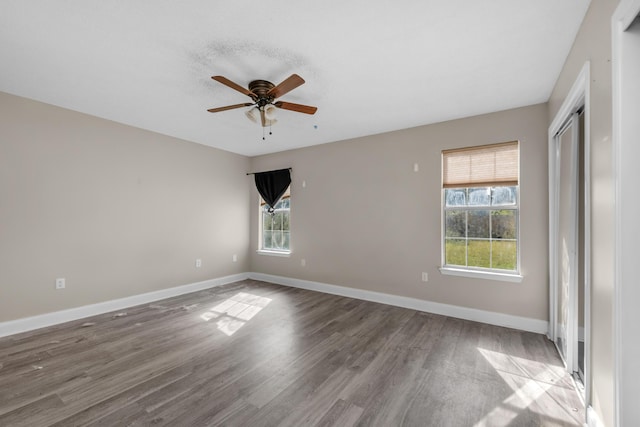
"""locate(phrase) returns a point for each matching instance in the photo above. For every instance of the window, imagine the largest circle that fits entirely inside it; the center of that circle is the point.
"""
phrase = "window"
(481, 208)
(274, 228)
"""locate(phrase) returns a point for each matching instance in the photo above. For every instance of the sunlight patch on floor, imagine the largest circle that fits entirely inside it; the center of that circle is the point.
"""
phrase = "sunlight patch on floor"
(534, 385)
(233, 313)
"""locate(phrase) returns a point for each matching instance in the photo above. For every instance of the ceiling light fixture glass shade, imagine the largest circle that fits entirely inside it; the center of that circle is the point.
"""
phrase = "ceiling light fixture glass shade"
(252, 114)
(270, 113)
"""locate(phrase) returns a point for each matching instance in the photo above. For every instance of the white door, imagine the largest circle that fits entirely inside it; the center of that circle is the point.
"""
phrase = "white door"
(566, 243)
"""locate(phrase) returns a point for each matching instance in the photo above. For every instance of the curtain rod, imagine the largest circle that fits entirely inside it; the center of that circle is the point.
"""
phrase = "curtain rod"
(253, 173)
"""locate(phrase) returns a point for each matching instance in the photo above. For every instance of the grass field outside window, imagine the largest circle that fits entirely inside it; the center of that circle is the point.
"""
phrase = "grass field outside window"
(481, 228)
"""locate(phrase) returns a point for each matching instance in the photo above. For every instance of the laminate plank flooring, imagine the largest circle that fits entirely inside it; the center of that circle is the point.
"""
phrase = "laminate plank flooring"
(257, 354)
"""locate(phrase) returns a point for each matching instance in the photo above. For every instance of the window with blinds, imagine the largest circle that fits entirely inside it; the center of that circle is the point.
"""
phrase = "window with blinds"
(480, 188)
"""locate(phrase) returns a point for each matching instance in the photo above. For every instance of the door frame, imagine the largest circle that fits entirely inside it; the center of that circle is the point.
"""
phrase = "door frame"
(626, 295)
(578, 98)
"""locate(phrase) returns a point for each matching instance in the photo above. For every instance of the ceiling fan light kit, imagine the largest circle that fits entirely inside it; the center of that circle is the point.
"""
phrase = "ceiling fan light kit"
(264, 94)
(270, 112)
(252, 114)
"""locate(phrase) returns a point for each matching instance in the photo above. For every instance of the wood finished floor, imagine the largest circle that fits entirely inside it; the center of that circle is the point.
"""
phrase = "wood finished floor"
(257, 354)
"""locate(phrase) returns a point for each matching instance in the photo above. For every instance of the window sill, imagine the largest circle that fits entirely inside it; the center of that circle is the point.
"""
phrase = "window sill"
(489, 275)
(274, 253)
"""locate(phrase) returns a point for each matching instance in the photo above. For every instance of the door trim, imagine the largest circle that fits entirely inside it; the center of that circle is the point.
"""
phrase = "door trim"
(625, 317)
(578, 97)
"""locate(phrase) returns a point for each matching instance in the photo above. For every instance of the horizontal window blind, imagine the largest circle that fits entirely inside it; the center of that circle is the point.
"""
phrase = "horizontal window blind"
(482, 166)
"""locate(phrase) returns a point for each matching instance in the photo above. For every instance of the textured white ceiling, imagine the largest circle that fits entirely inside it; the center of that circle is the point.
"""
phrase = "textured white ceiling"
(371, 66)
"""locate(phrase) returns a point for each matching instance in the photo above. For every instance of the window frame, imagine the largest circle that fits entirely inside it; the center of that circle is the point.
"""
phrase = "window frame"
(473, 271)
(273, 251)
(476, 270)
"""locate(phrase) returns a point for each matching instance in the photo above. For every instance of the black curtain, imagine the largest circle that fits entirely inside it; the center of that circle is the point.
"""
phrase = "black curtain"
(272, 185)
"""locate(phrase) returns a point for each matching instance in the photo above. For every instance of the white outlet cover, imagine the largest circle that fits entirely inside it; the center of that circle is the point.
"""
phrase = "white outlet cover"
(60, 283)
(198, 263)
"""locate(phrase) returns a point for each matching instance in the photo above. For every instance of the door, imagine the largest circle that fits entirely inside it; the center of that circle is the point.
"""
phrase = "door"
(570, 231)
(567, 242)
(582, 261)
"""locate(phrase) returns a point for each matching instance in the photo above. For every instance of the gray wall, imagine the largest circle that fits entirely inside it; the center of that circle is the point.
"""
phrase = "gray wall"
(366, 220)
(115, 210)
(593, 43)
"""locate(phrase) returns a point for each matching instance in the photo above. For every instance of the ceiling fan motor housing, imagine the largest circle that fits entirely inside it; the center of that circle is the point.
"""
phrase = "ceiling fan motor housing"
(261, 88)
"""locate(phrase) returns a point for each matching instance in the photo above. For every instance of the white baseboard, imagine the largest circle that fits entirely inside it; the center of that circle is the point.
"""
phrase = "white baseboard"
(40, 321)
(593, 420)
(499, 319)
(492, 318)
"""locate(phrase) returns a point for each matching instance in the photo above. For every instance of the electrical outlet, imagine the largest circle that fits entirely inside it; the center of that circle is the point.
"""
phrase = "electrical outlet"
(425, 277)
(198, 263)
(234, 258)
(303, 262)
(60, 283)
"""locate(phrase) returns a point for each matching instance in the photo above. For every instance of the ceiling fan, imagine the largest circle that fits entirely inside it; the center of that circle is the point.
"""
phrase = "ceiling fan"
(264, 95)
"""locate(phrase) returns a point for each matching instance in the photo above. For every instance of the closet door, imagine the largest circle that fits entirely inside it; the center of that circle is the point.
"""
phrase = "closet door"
(566, 298)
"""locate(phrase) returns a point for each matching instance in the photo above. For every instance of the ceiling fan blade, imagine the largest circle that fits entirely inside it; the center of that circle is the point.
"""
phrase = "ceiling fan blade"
(225, 81)
(307, 109)
(229, 107)
(290, 83)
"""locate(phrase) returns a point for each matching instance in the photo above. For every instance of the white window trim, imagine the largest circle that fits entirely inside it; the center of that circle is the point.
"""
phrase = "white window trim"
(272, 252)
(481, 274)
(489, 273)
(285, 254)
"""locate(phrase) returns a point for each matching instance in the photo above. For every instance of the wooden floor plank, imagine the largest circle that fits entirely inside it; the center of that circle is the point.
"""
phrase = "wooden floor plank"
(255, 353)
(341, 413)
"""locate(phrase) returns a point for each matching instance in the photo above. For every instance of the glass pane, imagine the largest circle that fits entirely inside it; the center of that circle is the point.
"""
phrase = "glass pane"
(286, 235)
(503, 196)
(503, 224)
(478, 224)
(277, 240)
(277, 221)
(267, 222)
(455, 252)
(455, 223)
(504, 254)
(479, 253)
(480, 196)
(285, 220)
(455, 197)
(266, 239)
